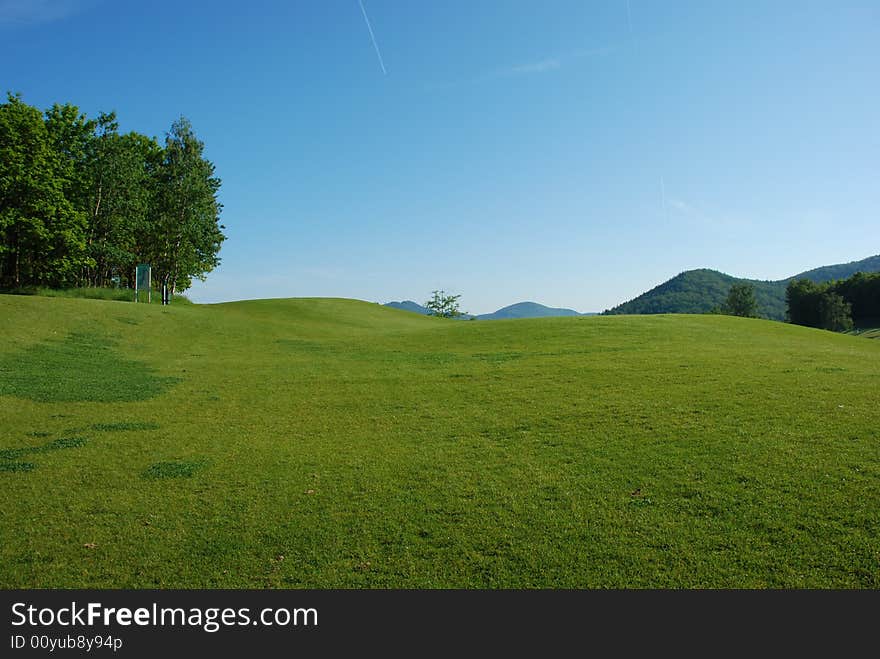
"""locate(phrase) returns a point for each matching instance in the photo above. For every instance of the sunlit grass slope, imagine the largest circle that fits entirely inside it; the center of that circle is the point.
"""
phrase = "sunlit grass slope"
(334, 443)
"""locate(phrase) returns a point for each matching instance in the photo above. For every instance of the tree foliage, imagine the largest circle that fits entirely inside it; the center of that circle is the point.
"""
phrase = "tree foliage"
(82, 204)
(443, 305)
(704, 291)
(835, 313)
(41, 233)
(741, 301)
(187, 209)
(836, 305)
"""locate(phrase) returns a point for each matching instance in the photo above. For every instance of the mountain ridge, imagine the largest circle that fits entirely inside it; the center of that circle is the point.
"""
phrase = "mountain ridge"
(526, 309)
(702, 289)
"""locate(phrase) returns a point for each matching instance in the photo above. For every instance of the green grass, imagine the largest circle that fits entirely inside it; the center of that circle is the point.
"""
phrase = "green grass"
(174, 469)
(375, 448)
(44, 371)
(867, 333)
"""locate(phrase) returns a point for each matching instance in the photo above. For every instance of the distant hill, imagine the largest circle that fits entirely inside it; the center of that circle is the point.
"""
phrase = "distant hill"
(408, 305)
(526, 310)
(840, 271)
(518, 310)
(699, 291)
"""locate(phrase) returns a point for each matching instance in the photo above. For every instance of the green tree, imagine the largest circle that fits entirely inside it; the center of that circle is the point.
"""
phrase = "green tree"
(835, 313)
(72, 137)
(443, 305)
(741, 301)
(81, 204)
(802, 300)
(42, 236)
(186, 235)
(122, 175)
(862, 291)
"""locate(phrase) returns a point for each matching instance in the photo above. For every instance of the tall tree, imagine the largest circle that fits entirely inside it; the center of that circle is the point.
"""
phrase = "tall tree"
(741, 301)
(121, 187)
(835, 313)
(72, 137)
(186, 234)
(802, 298)
(42, 236)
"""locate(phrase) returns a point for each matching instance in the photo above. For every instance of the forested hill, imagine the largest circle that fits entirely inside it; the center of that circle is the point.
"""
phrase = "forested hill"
(840, 271)
(700, 291)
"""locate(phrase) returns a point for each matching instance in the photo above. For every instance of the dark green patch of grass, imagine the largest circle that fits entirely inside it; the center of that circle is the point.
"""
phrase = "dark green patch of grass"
(16, 466)
(55, 445)
(80, 367)
(123, 426)
(13, 453)
(64, 442)
(174, 469)
(8, 457)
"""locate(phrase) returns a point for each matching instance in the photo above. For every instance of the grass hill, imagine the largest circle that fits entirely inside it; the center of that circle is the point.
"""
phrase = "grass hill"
(699, 291)
(408, 305)
(527, 310)
(326, 443)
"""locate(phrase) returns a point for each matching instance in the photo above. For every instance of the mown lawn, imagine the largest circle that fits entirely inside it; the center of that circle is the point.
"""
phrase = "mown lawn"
(331, 443)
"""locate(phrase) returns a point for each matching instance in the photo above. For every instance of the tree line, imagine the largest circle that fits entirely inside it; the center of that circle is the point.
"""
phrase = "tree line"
(81, 204)
(836, 305)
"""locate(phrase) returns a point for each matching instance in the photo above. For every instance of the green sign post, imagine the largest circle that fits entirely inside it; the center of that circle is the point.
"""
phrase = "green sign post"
(142, 281)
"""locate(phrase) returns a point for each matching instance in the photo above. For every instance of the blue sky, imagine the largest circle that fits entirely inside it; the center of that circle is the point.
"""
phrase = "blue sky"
(572, 153)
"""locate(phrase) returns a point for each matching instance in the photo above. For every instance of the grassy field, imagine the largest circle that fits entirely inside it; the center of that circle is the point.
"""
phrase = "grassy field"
(332, 443)
(867, 333)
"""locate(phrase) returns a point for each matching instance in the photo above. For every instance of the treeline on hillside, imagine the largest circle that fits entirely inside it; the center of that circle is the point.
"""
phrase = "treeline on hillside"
(836, 305)
(81, 204)
(703, 291)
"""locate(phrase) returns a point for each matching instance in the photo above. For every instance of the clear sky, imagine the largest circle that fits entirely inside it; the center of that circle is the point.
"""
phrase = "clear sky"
(568, 152)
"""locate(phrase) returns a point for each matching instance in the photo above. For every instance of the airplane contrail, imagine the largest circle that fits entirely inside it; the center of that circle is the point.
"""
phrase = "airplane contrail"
(373, 37)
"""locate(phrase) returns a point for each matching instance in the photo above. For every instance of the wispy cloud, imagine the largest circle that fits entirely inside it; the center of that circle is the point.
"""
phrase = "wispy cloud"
(537, 67)
(550, 64)
(29, 12)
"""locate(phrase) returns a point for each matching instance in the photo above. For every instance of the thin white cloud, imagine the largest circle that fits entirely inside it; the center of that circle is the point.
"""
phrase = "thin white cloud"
(29, 12)
(537, 67)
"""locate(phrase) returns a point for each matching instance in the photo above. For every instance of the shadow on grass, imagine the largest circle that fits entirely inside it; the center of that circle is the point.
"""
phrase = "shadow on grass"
(9, 456)
(124, 426)
(82, 367)
(174, 469)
